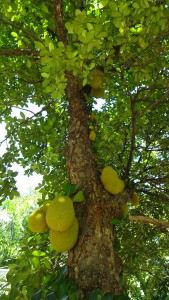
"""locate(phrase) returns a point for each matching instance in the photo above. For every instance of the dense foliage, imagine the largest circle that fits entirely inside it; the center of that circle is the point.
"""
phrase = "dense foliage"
(128, 41)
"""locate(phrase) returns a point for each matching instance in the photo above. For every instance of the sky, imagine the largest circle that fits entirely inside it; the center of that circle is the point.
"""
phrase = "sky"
(24, 183)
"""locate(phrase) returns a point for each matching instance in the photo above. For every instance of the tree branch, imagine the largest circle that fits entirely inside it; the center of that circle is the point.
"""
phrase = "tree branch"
(18, 52)
(59, 21)
(132, 142)
(27, 32)
(156, 222)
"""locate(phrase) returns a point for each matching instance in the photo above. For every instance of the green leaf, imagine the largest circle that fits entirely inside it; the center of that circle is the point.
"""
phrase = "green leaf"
(38, 253)
(22, 115)
(45, 75)
(79, 197)
(103, 3)
(69, 188)
(15, 193)
(78, 12)
(70, 27)
(116, 221)
(136, 5)
(36, 262)
(14, 34)
(142, 43)
(51, 46)
(29, 63)
(39, 45)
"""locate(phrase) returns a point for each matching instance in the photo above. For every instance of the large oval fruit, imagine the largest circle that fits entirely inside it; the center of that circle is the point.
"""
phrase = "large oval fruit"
(37, 221)
(65, 240)
(60, 213)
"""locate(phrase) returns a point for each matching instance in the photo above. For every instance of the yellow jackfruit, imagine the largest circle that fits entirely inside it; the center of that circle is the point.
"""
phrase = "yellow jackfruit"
(65, 240)
(97, 79)
(114, 186)
(108, 173)
(60, 213)
(135, 199)
(94, 118)
(92, 135)
(111, 182)
(37, 221)
(44, 207)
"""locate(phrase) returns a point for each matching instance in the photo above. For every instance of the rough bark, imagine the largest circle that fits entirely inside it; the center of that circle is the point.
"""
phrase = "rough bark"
(93, 262)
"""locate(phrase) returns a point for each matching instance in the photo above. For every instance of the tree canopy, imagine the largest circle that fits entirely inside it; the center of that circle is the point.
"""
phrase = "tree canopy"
(48, 50)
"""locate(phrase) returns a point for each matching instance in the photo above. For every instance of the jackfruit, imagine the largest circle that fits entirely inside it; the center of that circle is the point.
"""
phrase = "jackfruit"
(108, 173)
(60, 213)
(65, 240)
(37, 221)
(97, 79)
(135, 199)
(110, 180)
(125, 208)
(92, 135)
(94, 118)
(44, 207)
(97, 93)
(114, 186)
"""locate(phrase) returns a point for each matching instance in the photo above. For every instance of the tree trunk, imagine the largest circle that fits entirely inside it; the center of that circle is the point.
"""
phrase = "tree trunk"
(93, 262)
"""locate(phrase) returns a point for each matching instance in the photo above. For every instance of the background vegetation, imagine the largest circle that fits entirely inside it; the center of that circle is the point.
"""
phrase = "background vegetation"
(47, 52)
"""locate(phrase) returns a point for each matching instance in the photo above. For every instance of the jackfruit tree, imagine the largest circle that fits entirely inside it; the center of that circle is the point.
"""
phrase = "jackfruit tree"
(51, 53)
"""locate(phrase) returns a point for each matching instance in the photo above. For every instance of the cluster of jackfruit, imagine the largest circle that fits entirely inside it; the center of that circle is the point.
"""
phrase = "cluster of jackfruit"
(92, 134)
(134, 201)
(111, 182)
(59, 216)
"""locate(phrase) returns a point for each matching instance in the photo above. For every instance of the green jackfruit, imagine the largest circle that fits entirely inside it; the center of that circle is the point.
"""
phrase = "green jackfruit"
(65, 240)
(111, 182)
(37, 221)
(97, 79)
(60, 213)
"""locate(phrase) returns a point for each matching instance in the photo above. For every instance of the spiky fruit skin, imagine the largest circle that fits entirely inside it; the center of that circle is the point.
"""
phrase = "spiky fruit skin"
(97, 79)
(135, 199)
(110, 181)
(60, 213)
(92, 135)
(37, 221)
(65, 240)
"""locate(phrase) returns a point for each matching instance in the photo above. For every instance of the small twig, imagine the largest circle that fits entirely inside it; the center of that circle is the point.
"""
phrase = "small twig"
(18, 52)
(27, 120)
(27, 32)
